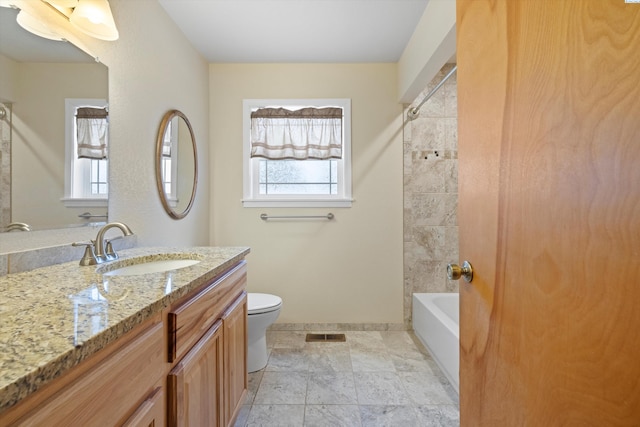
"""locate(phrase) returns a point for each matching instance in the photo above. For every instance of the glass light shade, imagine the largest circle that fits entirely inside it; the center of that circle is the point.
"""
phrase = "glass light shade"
(64, 4)
(35, 26)
(93, 17)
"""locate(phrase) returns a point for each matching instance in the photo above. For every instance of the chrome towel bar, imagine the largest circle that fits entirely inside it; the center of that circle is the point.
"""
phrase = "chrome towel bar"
(88, 215)
(328, 216)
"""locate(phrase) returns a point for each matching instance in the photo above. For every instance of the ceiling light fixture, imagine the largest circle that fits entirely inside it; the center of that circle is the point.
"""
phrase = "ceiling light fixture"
(65, 4)
(93, 17)
(35, 26)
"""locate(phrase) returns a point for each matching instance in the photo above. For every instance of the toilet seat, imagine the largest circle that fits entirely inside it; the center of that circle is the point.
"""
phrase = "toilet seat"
(262, 303)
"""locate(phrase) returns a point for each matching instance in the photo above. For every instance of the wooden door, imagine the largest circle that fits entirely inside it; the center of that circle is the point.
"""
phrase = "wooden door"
(549, 212)
(195, 384)
(234, 322)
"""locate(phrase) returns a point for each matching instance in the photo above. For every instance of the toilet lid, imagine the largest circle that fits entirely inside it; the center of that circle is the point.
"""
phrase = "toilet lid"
(262, 303)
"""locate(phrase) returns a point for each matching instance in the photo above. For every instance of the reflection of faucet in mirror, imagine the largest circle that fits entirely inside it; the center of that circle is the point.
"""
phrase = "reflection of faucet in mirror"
(18, 226)
(99, 252)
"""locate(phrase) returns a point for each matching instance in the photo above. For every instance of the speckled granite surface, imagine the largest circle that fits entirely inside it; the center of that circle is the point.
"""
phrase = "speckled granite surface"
(52, 318)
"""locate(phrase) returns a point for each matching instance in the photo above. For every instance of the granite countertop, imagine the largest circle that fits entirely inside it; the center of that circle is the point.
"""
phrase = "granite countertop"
(53, 318)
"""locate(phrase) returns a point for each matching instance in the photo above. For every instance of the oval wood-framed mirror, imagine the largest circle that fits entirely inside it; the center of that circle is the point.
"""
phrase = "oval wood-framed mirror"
(176, 164)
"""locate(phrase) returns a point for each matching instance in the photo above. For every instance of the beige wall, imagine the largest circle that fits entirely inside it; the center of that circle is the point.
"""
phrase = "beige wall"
(9, 73)
(152, 69)
(432, 44)
(345, 271)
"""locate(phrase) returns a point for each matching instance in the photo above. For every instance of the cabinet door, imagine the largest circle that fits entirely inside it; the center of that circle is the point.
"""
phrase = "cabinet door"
(195, 384)
(151, 413)
(108, 392)
(191, 318)
(234, 323)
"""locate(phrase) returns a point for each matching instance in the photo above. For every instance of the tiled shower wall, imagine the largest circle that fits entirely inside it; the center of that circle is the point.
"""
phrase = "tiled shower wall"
(5, 166)
(431, 192)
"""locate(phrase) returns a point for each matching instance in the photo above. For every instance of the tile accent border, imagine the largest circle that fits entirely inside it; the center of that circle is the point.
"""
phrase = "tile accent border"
(338, 327)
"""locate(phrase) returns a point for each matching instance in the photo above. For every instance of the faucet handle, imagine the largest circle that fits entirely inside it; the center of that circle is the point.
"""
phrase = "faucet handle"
(89, 257)
(109, 253)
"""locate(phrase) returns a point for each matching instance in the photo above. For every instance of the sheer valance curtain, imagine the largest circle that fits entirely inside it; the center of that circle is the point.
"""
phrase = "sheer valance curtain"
(92, 125)
(307, 133)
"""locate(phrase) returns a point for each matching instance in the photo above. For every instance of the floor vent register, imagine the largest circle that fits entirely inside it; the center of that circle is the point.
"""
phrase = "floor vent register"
(325, 338)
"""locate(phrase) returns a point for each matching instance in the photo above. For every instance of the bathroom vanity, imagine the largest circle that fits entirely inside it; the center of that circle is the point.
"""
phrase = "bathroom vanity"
(159, 348)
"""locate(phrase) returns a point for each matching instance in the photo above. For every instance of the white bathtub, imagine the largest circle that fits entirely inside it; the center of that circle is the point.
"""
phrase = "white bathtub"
(436, 322)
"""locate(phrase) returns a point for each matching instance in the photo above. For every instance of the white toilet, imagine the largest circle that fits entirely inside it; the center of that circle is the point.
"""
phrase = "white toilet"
(263, 310)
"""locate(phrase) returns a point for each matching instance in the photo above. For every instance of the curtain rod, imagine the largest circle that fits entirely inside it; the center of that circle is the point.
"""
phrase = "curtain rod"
(413, 112)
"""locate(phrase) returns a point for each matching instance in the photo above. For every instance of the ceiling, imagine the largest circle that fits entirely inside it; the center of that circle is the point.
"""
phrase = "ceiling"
(258, 31)
(310, 31)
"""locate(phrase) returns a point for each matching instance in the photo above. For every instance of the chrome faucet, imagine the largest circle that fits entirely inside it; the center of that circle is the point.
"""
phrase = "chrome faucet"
(99, 251)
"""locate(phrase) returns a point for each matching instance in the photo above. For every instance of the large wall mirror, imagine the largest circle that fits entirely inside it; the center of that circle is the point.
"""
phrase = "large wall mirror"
(37, 79)
(176, 164)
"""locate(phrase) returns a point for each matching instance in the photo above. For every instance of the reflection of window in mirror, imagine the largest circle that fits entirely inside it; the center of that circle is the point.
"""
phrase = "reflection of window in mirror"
(170, 162)
(86, 147)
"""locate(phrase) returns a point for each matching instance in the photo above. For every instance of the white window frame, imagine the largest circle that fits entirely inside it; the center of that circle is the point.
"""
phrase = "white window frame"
(251, 194)
(172, 197)
(70, 176)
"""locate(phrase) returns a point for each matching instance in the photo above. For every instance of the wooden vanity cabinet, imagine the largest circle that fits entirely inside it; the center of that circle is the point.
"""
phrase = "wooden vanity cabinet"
(186, 366)
(195, 384)
(207, 349)
(151, 413)
(108, 389)
(234, 323)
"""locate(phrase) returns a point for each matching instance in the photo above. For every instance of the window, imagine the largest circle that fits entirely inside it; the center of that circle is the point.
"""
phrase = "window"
(169, 162)
(297, 153)
(86, 168)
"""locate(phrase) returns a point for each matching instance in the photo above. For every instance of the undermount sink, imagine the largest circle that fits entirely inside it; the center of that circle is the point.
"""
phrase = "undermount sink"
(150, 266)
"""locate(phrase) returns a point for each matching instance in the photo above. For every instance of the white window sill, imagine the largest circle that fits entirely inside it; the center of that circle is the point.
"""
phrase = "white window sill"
(172, 202)
(71, 202)
(297, 203)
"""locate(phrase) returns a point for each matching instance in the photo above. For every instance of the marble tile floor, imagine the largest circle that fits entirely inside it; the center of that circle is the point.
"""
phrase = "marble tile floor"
(373, 379)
